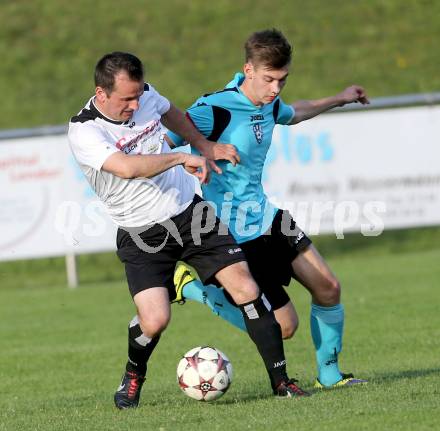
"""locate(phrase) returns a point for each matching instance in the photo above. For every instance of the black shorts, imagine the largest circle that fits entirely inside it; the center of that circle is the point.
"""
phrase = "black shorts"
(202, 241)
(270, 257)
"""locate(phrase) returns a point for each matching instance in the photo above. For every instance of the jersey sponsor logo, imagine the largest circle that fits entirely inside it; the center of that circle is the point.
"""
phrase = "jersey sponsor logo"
(258, 132)
(129, 148)
(257, 117)
(128, 145)
(234, 250)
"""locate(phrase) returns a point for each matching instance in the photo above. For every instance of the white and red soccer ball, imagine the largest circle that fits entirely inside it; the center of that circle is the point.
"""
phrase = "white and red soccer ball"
(204, 373)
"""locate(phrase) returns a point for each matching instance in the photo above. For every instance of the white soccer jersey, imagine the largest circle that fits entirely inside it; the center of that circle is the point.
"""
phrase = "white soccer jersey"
(130, 202)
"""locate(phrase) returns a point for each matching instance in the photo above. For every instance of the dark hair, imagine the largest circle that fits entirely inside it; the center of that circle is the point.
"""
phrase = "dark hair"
(268, 48)
(111, 64)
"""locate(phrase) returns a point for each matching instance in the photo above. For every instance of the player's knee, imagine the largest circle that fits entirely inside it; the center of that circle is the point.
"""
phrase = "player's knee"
(331, 292)
(289, 328)
(153, 326)
(246, 291)
(243, 287)
(335, 290)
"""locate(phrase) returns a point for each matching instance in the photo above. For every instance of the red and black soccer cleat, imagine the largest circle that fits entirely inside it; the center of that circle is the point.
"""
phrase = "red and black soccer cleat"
(129, 391)
(289, 389)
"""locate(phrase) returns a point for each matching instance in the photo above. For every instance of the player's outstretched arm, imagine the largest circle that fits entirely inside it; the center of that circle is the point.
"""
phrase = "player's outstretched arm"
(306, 109)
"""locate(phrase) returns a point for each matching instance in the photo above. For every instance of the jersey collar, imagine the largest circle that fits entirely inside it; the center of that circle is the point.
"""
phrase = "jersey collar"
(236, 81)
(98, 113)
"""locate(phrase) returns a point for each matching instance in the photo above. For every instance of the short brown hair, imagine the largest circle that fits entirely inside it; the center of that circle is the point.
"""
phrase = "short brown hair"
(269, 48)
(111, 64)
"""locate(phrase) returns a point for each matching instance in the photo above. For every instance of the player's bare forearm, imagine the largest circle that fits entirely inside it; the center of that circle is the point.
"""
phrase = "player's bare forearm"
(177, 122)
(306, 109)
(150, 165)
(137, 166)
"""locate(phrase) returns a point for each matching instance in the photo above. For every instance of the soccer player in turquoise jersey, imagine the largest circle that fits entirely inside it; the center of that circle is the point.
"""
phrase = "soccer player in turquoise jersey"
(245, 114)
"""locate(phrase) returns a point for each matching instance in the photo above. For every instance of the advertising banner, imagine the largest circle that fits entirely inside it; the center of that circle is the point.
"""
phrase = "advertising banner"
(362, 171)
(47, 207)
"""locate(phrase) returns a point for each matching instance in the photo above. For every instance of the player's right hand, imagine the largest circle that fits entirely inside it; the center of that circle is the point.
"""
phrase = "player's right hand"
(225, 152)
(197, 166)
(219, 151)
(354, 94)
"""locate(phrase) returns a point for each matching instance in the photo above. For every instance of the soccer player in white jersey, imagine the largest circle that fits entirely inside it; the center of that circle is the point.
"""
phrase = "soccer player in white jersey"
(246, 112)
(118, 141)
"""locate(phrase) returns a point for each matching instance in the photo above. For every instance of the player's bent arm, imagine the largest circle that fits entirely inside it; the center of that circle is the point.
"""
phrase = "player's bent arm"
(169, 141)
(136, 166)
(212, 151)
(306, 109)
(178, 123)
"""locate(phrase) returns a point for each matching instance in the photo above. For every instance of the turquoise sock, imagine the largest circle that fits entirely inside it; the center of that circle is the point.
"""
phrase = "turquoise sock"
(215, 299)
(327, 325)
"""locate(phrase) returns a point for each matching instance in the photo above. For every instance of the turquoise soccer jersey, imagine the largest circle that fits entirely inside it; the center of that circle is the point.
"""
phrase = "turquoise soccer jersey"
(237, 194)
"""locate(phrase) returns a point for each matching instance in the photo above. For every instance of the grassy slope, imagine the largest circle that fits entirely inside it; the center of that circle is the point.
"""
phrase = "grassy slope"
(55, 341)
(49, 48)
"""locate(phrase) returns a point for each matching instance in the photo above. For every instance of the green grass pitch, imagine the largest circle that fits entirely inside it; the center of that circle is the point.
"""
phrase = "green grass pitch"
(63, 353)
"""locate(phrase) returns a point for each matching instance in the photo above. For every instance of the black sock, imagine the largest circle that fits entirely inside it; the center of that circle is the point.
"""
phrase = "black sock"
(265, 332)
(140, 348)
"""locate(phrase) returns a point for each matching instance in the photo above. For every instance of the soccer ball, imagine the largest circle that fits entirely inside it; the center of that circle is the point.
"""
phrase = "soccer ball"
(204, 373)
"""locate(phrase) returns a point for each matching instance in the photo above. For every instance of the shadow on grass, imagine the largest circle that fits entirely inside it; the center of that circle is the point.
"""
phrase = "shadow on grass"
(243, 399)
(407, 374)
(380, 378)
(265, 394)
(246, 398)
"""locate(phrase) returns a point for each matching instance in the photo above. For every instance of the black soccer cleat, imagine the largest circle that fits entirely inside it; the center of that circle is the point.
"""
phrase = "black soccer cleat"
(129, 391)
(289, 389)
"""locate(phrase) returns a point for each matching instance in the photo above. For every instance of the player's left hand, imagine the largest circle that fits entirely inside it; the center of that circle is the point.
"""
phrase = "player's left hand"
(354, 94)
